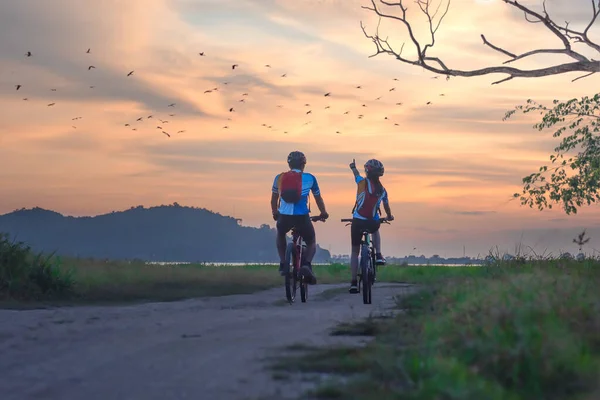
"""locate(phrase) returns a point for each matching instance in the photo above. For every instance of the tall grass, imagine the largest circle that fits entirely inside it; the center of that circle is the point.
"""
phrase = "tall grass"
(527, 331)
(27, 275)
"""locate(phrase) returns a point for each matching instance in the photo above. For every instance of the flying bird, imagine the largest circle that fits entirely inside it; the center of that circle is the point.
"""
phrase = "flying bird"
(428, 102)
(398, 104)
(139, 119)
(18, 87)
(435, 77)
(231, 109)
(28, 54)
(364, 105)
(90, 67)
(307, 105)
(54, 90)
(127, 125)
(91, 87)
(225, 127)
(442, 94)
(201, 53)
(395, 79)
(88, 51)
(130, 73)
(309, 111)
(172, 105)
(149, 116)
(346, 112)
(208, 91)
(180, 131)
(378, 98)
(284, 75)
(358, 87)
(25, 99)
(392, 89)
(327, 94)
(134, 129)
(171, 115)
(51, 104)
(166, 133)
(327, 107)
(245, 94)
(242, 101)
(233, 66)
(338, 132)
(159, 127)
(268, 66)
(279, 106)
(73, 126)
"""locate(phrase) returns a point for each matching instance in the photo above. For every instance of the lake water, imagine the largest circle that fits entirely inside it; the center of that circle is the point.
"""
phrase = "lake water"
(235, 264)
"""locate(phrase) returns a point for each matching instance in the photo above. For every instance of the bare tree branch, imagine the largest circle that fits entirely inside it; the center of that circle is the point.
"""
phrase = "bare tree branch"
(434, 64)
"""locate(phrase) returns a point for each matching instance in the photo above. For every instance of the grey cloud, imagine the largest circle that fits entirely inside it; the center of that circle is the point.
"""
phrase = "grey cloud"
(454, 167)
(455, 183)
(208, 156)
(76, 140)
(472, 213)
(58, 33)
(577, 12)
(480, 120)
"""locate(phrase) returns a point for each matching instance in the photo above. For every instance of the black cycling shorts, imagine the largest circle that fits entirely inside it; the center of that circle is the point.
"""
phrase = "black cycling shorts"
(302, 223)
(361, 225)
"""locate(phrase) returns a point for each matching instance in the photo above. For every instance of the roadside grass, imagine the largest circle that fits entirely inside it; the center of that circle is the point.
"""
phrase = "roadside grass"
(28, 279)
(527, 331)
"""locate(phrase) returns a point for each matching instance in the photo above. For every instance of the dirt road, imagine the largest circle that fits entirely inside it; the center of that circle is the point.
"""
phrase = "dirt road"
(195, 349)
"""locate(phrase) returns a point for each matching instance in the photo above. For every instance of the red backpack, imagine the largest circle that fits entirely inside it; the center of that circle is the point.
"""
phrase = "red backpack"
(290, 186)
(368, 208)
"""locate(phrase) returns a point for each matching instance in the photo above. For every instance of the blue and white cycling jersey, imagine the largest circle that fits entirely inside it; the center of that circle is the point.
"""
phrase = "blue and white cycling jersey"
(360, 199)
(309, 184)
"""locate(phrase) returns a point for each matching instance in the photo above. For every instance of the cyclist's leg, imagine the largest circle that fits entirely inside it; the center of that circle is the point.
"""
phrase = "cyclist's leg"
(355, 237)
(305, 227)
(284, 224)
(376, 237)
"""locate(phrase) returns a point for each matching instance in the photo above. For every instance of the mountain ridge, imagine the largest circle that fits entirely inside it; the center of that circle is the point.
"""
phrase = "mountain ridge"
(157, 233)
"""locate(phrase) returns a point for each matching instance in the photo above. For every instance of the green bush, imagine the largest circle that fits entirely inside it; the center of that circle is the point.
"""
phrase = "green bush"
(27, 275)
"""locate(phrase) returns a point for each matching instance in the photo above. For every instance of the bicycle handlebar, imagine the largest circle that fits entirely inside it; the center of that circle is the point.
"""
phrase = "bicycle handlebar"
(382, 220)
(317, 218)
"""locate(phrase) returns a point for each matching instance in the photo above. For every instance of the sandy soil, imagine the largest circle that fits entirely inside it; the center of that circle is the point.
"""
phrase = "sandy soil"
(212, 348)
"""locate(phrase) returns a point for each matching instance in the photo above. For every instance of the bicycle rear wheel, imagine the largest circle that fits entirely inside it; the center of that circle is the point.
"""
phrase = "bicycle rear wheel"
(365, 271)
(303, 285)
(291, 280)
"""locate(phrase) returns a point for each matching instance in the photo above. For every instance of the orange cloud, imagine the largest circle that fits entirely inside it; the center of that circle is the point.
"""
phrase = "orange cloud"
(451, 165)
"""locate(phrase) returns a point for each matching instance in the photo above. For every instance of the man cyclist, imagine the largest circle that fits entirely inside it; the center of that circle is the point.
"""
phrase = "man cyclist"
(289, 204)
(369, 196)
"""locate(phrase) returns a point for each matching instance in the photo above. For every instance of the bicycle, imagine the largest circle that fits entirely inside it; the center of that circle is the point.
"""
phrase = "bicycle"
(367, 272)
(294, 259)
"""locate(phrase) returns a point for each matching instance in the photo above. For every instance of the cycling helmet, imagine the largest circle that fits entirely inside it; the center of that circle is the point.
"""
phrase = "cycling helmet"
(374, 167)
(296, 158)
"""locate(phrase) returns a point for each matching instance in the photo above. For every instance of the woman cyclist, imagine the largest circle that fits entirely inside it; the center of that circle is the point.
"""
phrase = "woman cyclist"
(370, 194)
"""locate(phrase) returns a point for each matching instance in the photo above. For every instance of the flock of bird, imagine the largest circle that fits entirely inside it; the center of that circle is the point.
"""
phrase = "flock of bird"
(162, 122)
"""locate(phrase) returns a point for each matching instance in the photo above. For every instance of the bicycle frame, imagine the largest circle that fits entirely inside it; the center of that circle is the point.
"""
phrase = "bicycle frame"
(296, 257)
(367, 252)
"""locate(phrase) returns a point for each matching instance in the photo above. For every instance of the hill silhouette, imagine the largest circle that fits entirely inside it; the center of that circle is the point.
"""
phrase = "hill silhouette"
(162, 233)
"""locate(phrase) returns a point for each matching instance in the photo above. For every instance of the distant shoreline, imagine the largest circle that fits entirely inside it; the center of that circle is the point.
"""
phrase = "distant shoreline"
(242, 264)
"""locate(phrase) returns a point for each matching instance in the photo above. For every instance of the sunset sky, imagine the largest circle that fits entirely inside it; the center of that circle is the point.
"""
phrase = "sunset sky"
(451, 166)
